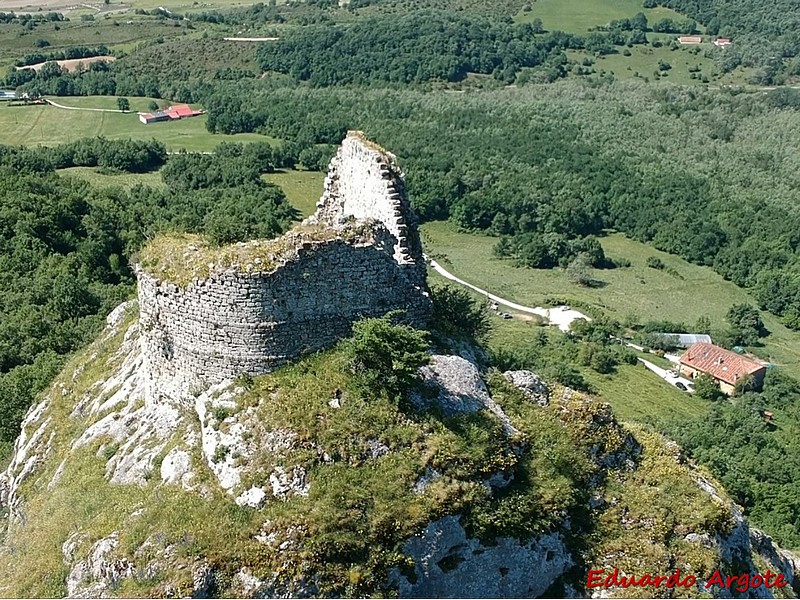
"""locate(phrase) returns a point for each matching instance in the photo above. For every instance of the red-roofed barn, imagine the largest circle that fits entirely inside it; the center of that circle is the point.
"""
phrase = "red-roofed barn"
(726, 367)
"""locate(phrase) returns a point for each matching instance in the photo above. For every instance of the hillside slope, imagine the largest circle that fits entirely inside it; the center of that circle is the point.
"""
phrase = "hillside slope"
(302, 483)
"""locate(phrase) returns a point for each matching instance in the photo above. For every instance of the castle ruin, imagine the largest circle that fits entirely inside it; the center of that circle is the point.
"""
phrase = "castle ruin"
(260, 304)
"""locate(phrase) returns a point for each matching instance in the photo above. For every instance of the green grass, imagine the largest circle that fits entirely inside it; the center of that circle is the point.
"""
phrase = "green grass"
(302, 188)
(16, 41)
(48, 126)
(638, 293)
(123, 180)
(637, 394)
(577, 16)
(643, 62)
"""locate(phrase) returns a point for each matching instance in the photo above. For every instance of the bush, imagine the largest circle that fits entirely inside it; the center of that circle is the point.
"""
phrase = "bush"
(385, 356)
(655, 263)
(456, 314)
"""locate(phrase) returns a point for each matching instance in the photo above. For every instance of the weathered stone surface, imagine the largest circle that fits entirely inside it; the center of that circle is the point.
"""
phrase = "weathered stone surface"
(459, 389)
(531, 385)
(242, 321)
(448, 564)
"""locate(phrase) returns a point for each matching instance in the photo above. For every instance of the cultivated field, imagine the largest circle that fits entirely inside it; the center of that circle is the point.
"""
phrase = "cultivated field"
(637, 292)
(48, 126)
(74, 64)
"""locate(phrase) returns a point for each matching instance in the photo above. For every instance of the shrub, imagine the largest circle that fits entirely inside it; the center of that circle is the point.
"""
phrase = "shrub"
(655, 263)
(385, 356)
(456, 314)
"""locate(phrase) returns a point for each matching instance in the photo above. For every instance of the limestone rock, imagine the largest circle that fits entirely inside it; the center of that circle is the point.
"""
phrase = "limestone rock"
(448, 564)
(459, 388)
(531, 385)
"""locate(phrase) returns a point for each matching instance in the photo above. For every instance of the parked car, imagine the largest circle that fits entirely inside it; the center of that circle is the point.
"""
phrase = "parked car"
(506, 315)
(681, 386)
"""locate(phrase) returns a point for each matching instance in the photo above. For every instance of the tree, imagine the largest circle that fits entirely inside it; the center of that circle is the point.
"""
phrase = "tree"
(703, 325)
(456, 313)
(153, 106)
(579, 270)
(639, 21)
(123, 104)
(385, 356)
(746, 324)
(706, 388)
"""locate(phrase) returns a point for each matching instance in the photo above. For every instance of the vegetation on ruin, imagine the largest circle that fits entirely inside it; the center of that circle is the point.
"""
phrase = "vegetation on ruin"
(183, 258)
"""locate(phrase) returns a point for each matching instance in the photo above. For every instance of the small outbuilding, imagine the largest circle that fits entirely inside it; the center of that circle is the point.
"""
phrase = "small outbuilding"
(684, 340)
(690, 39)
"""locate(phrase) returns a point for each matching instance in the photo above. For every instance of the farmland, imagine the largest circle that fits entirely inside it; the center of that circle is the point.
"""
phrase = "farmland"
(48, 126)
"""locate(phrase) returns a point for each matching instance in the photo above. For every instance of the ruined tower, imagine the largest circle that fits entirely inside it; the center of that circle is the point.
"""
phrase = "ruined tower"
(256, 305)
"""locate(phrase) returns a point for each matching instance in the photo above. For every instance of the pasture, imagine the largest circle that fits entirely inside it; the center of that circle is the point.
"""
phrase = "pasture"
(578, 16)
(124, 180)
(302, 188)
(47, 125)
(643, 62)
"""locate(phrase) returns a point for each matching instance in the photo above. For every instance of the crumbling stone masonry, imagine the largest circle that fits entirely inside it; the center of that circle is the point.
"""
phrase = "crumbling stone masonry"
(242, 320)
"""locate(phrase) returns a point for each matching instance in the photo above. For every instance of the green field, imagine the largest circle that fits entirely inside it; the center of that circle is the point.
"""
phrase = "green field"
(302, 188)
(643, 62)
(576, 16)
(123, 180)
(637, 394)
(637, 293)
(48, 126)
(634, 392)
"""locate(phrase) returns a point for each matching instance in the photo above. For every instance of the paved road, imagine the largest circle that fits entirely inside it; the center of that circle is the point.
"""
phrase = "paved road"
(670, 379)
(562, 316)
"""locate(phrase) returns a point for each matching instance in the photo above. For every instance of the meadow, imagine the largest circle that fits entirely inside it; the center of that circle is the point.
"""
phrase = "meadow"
(634, 392)
(578, 16)
(47, 125)
(124, 180)
(643, 62)
(302, 188)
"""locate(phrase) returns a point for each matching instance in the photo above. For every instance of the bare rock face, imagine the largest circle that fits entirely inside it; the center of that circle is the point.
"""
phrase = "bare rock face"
(451, 565)
(458, 388)
(531, 385)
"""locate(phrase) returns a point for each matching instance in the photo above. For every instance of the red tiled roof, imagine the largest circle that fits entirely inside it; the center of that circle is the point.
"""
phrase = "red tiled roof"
(182, 110)
(721, 364)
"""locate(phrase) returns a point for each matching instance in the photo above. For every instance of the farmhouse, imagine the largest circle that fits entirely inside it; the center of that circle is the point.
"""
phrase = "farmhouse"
(690, 39)
(173, 113)
(726, 367)
(722, 42)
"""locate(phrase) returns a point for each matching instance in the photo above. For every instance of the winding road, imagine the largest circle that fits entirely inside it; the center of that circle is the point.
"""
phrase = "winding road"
(563, 316)
(111, 110)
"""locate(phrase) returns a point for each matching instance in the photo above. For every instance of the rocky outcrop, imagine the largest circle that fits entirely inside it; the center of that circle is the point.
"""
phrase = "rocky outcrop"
(448, 564)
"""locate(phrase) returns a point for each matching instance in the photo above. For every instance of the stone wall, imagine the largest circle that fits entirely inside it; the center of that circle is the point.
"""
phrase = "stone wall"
(364, 181)
(239, 320)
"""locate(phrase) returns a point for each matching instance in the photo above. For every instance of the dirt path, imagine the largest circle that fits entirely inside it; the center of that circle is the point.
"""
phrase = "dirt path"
(250, 39)
(563, 316)
(111, 110)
